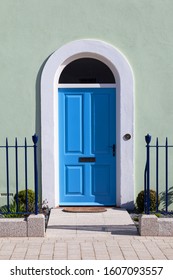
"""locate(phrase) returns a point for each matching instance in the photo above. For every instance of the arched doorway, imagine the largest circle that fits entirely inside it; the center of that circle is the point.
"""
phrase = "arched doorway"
(117, 64)
(87, 134)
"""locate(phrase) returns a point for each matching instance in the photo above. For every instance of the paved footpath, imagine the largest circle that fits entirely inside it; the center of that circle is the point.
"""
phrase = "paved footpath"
(100, 236)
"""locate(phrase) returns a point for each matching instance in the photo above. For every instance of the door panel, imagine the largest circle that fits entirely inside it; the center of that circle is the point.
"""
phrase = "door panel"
(100, 123)
(73, 129)
(74, 174)
(87, 131)
(100, 180)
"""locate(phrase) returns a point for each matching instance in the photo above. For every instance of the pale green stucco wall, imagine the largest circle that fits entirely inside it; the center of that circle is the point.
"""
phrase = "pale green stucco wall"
(141, 29)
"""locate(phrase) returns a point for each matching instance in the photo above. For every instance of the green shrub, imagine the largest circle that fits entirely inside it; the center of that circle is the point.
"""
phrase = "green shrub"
(140, 201)
(22, 199)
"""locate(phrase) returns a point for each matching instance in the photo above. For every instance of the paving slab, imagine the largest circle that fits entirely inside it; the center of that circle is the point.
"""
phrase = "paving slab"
(108, 235)
(113, 221)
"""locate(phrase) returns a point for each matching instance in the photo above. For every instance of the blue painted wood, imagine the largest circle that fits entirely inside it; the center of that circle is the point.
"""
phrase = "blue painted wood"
(87, 129)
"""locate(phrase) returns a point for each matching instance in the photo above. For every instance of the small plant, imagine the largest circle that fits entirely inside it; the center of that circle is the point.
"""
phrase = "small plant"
(12, 210)
(168, 198)
(45, 210)
(140, 201)
(22, 199)
(45, 204)
(158, 215)
(45, 207)
(136, 219)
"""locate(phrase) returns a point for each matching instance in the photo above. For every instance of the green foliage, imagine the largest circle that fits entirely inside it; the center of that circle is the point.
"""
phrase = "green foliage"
(22, 199)
(12, 209)
(158, 215)
(140, 201)
(136, 219)
(169, 197)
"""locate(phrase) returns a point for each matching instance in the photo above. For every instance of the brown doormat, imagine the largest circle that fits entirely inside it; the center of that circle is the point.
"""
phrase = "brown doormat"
(84, 209)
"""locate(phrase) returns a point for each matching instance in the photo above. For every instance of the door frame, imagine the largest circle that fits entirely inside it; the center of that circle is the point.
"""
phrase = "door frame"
(123, 74)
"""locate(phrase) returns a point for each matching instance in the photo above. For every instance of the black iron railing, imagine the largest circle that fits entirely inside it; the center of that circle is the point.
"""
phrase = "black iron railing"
(167, 192)
(27, 149)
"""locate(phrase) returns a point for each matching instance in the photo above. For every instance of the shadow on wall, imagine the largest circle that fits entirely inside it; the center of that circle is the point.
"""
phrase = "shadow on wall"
(38, 121)
(129, 205)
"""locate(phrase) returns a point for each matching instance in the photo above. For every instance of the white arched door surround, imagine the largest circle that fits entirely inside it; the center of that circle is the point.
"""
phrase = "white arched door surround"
(122, 72)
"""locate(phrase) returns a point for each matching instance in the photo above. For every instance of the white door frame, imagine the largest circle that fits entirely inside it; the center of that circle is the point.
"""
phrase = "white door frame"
(123, 74)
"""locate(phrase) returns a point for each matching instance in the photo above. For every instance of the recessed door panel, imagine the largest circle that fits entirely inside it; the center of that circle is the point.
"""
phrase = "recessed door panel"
(101, 180)
(100, 123)
(73, 123)
(74, 180)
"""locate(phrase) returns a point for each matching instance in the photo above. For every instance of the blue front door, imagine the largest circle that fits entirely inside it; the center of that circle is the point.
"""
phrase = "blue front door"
(87, 146)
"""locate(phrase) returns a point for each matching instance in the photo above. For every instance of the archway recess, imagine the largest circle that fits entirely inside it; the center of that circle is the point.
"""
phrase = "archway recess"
(123, 74)
(87, 71)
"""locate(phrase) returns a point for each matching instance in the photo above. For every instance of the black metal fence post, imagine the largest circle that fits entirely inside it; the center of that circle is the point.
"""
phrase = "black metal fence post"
(7, 174)
(147, 192)
(35, 140)
(166, 173)
(157, 174)
(17, 186)
(26, 175)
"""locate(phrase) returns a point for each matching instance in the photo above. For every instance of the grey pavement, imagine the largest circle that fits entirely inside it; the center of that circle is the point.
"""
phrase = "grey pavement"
(109, 235)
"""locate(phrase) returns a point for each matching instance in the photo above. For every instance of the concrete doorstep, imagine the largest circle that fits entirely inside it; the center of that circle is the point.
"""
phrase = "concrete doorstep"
(114, 221)
(33, 226)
